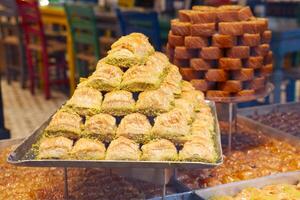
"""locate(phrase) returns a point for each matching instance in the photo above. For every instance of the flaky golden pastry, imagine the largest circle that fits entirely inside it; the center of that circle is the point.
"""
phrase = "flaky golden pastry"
(196, 97)
(186, 86)
(159, 150)
(172, 81)
(85, 101)
(123, 149)
(135, 126)
(186, 107)
(198, 149)
(118, 103)
(100, 126)
(153, 102)
(63, 123)
(88, 149)
(172, 126)
(55, 148)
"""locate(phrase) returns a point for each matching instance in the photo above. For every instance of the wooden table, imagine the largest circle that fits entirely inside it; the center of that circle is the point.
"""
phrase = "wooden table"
(285, 39)
(57, 15)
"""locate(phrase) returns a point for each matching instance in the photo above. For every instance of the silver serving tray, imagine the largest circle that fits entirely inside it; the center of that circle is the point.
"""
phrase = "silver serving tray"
(24, 156)
(233, 188)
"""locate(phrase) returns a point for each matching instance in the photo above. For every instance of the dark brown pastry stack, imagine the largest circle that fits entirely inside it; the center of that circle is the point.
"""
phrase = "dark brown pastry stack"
(223, 51)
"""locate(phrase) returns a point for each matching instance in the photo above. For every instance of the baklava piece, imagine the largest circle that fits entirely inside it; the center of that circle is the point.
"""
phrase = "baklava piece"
(172, 126)
(196, 97)
(130, 50)
(101, 126)
(85, 101)
(171, 82)
(153, 102)
(63, 123)
(123, 149)
(198, 150)
(135, 126)
(186, 107)
(159, 150)
(55, 148)
(186, 86)
(88, 149)
(118, 103)
(105, 78)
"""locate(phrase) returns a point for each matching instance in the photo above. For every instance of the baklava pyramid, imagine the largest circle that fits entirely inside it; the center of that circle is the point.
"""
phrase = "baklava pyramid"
(135, 106)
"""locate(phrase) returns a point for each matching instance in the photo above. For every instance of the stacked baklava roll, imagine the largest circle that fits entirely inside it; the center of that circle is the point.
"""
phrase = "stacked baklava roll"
(223, 51)
(135, 106)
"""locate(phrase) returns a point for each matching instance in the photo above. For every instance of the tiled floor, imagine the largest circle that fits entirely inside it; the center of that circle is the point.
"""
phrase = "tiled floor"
(24, 112)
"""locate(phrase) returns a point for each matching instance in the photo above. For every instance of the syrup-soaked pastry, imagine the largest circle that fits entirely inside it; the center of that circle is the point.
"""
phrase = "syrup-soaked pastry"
(101, 126)
(203, 129)
(266, 37)
(230, 63)
(175, 40)
(231, 28)
(189, 73)
(186, 86)
(129, 50)
(200, 17)
(158, 62)
(184, 15)
(136, 127)
(123, 149)
(85, 101)
(245, 13)
(195, 42)
(184, 53)
(247, 93)
(216, 75)
(204, 8)
(217, 93)
(202, 85)
(262, 50)
(198, 149)
(170, 52)
(268, 59)
(186, 107)
(180, 28)
(223, 41)
(64, 123)
(211, 53)
(195, 97)
(159, 150)
(118, 103)
(257, 83)
(254, 62)
(243, 74)
(266, 70)
(181, 62)
(228, 13)
(201, 64)
(171, 82)
(153, 102)
(250, 40)
(105, 78)
(254, 26)
(238, 52)
(231, 86)
(172, 125)
(264, 23)
(88, 149)
(140, 78)
(54, 148)
(205, 30)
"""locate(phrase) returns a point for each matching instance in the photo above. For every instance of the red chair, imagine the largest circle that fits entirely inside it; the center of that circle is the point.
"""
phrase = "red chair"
(35, 41)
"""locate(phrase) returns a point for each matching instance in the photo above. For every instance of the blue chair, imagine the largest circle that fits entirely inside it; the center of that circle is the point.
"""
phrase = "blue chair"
(143, 22)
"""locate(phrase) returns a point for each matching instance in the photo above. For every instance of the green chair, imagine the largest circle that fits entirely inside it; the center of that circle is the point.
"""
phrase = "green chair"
(82, 23)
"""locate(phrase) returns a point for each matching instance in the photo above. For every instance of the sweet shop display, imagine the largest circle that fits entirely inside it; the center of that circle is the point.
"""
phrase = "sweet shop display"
(223, 51)
(253, 155)
(135, 106)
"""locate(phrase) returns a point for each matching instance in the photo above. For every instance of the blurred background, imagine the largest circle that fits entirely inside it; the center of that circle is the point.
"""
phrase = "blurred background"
(46, 45)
